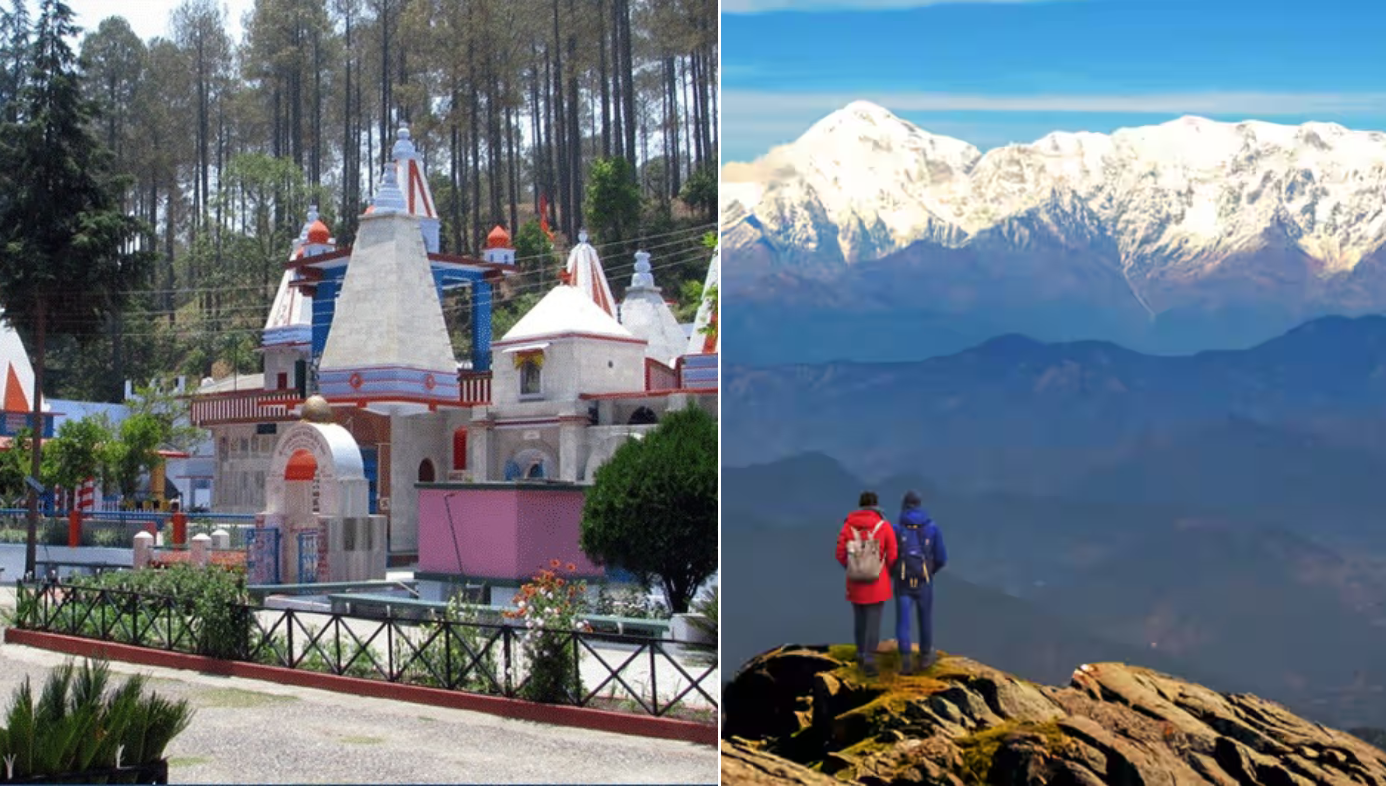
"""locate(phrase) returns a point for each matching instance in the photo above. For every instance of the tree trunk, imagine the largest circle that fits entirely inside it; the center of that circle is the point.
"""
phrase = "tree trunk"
(384, 81)
(494, 151)
(628, 76)
(602, 80)
(350, 172)
(618, 77)
(455, 173)
(671, 131)
(537, 138)
(559, 121)
(36, 461)
(478, 232)
(513, 166)
(574, 126)
(316, 177)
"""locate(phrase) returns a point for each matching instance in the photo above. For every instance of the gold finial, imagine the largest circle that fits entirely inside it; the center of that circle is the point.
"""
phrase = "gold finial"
(317, 410)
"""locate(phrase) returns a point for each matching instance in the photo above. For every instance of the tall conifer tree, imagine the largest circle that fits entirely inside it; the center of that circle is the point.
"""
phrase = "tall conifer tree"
(64, 261)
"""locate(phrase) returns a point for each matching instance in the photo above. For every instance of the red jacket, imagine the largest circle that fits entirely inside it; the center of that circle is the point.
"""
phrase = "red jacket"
(877, 591)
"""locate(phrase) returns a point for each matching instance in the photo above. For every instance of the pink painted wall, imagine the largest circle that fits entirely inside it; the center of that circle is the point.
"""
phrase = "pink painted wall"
(486, 527)
(502, 533)
(552, 525)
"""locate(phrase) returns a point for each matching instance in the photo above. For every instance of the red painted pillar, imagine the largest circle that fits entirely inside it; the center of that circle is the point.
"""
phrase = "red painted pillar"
(74, 528)
(180, 527)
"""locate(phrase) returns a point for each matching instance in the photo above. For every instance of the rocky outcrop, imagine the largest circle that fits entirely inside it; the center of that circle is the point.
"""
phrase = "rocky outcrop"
(807, 715)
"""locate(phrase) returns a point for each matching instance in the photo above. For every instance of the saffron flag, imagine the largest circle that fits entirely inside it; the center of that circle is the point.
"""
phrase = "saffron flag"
(544, 216)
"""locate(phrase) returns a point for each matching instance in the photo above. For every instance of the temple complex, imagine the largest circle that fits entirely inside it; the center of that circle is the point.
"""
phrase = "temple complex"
(364, 328)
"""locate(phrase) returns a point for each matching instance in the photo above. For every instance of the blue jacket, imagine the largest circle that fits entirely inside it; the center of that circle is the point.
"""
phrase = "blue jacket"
(935, 555)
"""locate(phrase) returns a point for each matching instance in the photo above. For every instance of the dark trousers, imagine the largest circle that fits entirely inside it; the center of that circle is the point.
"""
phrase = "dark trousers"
(867, 619)
(910, 605)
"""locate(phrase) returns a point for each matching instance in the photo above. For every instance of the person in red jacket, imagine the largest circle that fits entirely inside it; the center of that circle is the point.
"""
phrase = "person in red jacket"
(868, 598)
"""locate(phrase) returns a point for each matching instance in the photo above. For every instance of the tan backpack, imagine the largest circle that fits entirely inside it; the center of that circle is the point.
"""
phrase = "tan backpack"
(864, 558)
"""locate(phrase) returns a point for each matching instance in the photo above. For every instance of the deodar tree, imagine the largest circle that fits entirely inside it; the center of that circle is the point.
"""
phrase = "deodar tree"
(63, 241)
(652, 509)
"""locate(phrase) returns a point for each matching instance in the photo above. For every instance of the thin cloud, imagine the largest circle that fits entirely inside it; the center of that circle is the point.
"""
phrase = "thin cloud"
(763, 6)
(764, 104)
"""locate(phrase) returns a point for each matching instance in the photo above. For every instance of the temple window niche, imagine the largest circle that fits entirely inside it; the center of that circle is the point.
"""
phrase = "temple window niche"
(531, 366)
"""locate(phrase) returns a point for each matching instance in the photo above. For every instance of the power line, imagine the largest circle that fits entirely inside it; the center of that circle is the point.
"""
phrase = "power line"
(687, 233)
(189, 331)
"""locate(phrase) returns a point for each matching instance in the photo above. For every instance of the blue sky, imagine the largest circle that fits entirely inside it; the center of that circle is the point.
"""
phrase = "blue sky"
(993, 72)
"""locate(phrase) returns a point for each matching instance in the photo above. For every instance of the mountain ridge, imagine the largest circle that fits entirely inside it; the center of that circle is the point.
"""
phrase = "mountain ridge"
(1188, 235)
(1180, 188)
(1014, 393)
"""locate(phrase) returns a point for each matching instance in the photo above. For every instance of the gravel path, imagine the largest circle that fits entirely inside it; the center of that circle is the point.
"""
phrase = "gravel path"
(248, 731)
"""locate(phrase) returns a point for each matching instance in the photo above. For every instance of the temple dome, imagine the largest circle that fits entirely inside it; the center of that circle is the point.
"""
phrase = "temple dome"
(498, 238)
(566, 310)
(318, 233)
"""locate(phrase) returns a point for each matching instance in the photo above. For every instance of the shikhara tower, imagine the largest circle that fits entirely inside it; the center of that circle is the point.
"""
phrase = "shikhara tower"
(364, 327)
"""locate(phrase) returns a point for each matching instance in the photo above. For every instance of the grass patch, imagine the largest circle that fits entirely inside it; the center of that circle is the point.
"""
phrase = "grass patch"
(843, 652)
(359, 740)
(979, 750)
(237, 698)
(187, 761)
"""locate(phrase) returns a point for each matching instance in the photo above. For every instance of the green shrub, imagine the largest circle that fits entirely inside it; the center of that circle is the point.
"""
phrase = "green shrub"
(211, 600)
(77, 725)
(551, 608)
(463, 653)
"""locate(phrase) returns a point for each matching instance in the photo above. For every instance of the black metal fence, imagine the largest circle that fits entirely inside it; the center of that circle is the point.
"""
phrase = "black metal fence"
(626, 673)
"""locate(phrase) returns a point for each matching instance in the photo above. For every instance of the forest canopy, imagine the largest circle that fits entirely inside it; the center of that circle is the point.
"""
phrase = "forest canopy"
(601, 112)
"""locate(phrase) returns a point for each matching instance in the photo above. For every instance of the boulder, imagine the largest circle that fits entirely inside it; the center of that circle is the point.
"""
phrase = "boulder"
(808, 715)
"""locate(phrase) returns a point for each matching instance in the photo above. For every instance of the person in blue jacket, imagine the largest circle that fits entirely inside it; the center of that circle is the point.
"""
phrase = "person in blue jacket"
(921, 556)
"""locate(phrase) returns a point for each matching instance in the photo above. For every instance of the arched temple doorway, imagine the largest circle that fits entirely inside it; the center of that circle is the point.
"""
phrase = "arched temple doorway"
(317, 498)
(529, 464)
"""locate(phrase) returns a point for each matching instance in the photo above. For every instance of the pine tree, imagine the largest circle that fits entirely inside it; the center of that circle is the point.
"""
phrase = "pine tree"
(63, 260)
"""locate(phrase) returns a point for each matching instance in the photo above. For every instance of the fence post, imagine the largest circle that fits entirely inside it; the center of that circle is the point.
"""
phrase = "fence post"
(74, 528)
(179, 524)
(201, 546)
(221, 539)
(144, 547)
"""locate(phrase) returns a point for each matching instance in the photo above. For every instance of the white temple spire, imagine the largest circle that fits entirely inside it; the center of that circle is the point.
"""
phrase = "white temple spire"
(413, 185)
(585, 272)
(642, 277)
(388, 198)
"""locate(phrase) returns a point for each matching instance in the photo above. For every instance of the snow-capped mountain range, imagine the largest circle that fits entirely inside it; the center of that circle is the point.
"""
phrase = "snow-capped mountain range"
(1192, 234)
(863, 183)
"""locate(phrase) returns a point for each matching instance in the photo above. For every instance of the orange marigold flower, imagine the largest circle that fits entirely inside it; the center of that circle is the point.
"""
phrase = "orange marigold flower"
(571, 566)
(560, 582)
(553, 563)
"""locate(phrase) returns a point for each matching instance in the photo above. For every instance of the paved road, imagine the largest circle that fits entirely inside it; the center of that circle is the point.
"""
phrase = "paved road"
(248, 731)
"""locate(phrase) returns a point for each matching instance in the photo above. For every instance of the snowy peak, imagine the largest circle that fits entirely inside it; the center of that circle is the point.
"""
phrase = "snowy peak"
(862, 183)
(859, 184)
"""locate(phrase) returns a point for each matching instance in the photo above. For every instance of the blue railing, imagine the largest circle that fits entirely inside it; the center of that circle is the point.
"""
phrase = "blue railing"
(141, 515)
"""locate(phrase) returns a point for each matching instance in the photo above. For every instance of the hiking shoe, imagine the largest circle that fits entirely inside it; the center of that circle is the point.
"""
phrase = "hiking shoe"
(870, 670)
(929, 660)
(906, 665)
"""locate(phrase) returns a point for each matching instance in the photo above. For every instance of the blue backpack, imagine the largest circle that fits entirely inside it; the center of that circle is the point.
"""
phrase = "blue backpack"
(913, 566)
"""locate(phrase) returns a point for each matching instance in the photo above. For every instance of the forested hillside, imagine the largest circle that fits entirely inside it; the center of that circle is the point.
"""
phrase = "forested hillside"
(603, 112)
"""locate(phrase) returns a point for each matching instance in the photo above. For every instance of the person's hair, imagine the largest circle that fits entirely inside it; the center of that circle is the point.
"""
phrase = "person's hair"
(911, 500)
(868, 500)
